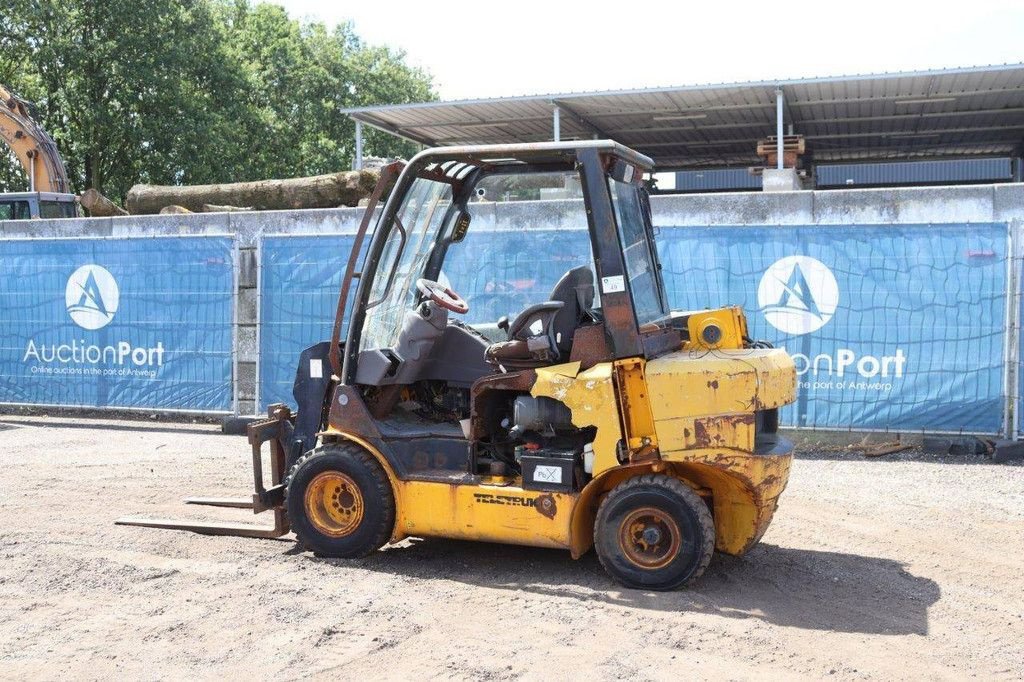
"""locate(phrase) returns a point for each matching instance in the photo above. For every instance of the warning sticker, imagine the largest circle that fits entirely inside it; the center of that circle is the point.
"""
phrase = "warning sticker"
(611, 285)
(547, 474)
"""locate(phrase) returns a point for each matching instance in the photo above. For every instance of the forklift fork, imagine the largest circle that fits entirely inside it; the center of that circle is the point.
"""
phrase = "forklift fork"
(277, 429)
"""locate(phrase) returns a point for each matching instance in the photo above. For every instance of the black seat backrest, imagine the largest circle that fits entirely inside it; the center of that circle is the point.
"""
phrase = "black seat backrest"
(576, 290)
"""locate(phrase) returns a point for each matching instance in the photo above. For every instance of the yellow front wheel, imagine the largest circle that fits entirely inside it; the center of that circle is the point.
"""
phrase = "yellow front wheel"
(334, 504)
(340, 503)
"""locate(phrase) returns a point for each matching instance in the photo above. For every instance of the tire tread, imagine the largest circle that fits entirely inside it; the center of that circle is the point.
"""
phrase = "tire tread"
(692, 499)
(382, 489)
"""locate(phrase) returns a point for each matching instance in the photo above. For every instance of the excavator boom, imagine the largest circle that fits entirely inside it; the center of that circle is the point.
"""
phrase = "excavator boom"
(34, 148)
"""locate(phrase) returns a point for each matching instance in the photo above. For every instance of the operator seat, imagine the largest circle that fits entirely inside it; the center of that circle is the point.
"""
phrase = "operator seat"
(543, 333)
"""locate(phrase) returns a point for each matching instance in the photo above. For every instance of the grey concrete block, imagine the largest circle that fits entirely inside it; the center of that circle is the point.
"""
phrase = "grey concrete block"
(903, 205)
(838, 207)
(780, 180)
(953, 445)
(1008, 202)
(247, 268)
(250, 227)
(734, 208)
(247, 306)
(191, 224)
(549, 214)
(1008, 451)
(247, 348)
(246, 381)
(76, 228)
(236, 426)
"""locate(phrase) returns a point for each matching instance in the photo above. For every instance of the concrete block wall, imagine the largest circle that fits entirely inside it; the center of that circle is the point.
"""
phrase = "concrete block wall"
(978, 203)
(964, 203)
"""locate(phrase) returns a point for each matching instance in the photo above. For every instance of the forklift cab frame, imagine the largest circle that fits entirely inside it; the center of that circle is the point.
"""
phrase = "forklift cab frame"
(612, 182)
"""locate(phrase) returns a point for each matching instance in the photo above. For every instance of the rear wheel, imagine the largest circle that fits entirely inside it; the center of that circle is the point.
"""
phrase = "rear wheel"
(654, 532)
(340, 502)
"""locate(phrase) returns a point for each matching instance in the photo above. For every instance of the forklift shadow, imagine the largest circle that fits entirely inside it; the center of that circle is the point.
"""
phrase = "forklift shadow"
(803, 588)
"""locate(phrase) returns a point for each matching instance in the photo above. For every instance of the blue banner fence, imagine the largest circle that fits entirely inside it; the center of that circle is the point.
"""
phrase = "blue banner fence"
(126, 323)
(892, 327)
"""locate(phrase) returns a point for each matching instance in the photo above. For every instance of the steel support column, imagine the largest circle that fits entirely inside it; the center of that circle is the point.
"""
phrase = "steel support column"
(357, 160)
(779, 102)
(556, 124)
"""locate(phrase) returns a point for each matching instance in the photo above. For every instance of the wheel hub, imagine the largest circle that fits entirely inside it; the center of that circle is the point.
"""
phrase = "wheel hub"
(334, 504)
(649, 538)
(652, 535)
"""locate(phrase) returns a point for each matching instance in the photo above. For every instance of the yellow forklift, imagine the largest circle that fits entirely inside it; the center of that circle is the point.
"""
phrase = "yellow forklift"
(596, 417)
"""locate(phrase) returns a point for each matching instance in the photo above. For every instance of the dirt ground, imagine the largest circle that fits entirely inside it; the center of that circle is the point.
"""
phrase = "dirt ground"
(903, 568)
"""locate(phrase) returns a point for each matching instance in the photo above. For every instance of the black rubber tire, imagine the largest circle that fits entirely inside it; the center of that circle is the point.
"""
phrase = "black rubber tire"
(378, 520)
(675, 499)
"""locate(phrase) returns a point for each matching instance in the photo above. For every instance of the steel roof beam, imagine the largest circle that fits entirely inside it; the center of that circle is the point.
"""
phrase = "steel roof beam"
(836, 136)
(397, 132)
(580, 119)
(829, 121)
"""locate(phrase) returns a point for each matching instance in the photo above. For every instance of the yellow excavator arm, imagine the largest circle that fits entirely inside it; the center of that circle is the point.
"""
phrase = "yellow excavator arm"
(34, 148)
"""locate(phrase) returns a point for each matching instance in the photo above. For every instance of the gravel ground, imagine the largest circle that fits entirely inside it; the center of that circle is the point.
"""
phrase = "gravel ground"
(904, 567)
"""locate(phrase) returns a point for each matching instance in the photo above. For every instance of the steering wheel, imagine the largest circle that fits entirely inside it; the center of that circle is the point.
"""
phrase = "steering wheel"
(442, 295)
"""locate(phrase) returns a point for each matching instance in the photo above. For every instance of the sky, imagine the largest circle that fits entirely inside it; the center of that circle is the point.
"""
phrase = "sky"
(481, 49)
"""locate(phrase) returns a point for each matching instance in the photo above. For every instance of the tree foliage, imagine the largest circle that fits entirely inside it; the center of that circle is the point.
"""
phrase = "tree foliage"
(195, 91)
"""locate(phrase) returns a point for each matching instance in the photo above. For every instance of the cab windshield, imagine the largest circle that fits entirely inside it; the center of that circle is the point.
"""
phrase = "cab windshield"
(414, 232)
(638, 253)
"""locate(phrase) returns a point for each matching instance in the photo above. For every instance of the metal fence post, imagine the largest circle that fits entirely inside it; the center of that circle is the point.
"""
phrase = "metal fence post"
(1013, 299)
(258, 379)
(236, 273)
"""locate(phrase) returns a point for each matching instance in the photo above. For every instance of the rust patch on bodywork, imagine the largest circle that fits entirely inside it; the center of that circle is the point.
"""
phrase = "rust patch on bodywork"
(590, 346)
(348, 413)
(745, 491)
(722, 431)
(545, 505)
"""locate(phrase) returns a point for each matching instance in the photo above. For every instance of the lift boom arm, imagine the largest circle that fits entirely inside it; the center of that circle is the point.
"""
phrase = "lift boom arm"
(34, 148)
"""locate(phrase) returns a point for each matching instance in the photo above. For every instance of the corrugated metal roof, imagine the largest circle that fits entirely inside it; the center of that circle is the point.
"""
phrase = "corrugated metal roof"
(950, 112)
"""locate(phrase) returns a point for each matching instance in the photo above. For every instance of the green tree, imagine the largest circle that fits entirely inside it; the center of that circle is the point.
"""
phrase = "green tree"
(194, 91)
(303, 75)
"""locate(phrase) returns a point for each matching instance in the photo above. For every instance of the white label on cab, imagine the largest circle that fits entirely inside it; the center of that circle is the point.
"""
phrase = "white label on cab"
(611, 285)
(547, 474)
(316, 368)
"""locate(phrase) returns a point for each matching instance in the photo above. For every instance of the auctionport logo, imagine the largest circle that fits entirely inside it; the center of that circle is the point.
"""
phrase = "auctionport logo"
(798, 295)
(91, 296)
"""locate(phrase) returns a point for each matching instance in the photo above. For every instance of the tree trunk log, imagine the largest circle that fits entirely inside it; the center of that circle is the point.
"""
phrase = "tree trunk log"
(99, 206)
(215, 208)
(320, 191)
(173, 209)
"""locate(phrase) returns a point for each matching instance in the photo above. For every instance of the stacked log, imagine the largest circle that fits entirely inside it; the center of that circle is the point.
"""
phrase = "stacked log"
(99, 206)
(320, 191)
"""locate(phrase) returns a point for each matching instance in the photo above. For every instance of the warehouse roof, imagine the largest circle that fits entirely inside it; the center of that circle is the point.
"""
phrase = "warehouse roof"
(943, 113)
